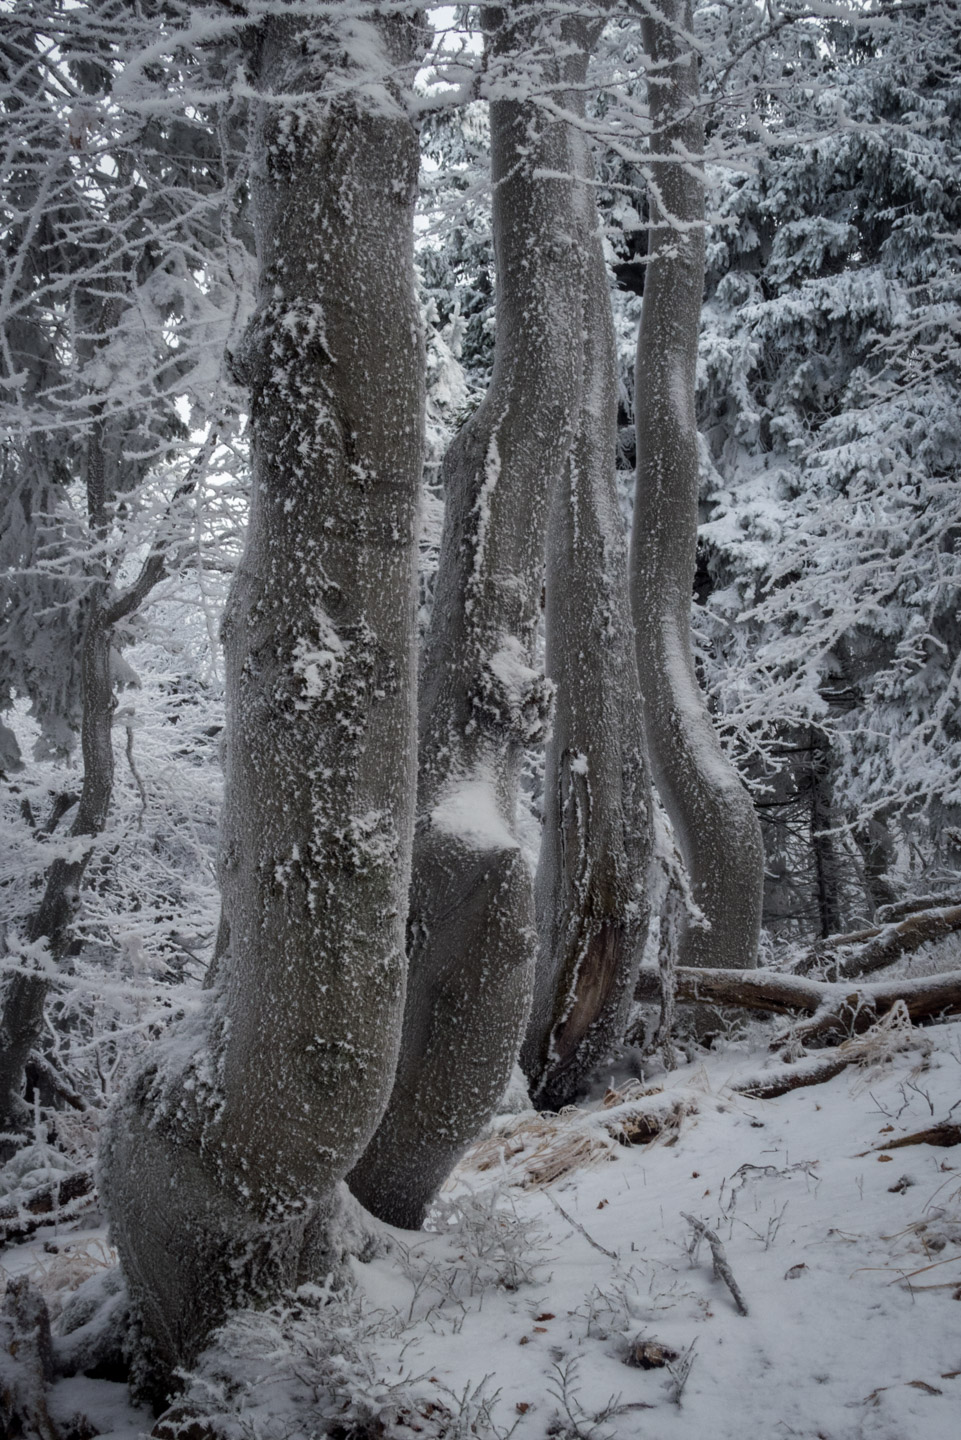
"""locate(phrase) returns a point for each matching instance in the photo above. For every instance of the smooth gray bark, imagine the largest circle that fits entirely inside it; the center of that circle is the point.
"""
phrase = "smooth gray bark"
(221, 1169)
(596, 847)
(712, 814)
(472, 934)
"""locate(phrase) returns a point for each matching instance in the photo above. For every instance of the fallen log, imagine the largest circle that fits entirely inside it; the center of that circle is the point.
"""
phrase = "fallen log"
(847, 1009)
(837, 1009)
(944, 1134)
(765, 990)
(809, 1070)
(898, 909)
(61, 1200)
(865, 951)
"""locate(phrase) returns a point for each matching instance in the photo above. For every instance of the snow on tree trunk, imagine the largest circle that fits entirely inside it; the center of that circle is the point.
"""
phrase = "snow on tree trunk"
(711, 812)
(46, 933)
(221, 1169)
(824, 844)
(472, 937)
(597, 819)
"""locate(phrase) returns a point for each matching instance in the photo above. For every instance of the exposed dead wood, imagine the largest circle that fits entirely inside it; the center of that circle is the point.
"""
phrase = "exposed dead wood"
(576, 1225)
(901, 908)
(27, 1352)
(538, 1149)
(722, 1268)
(847, 1010)
(836, 1009)
(865, 951)
(60, 1200)
(944, 1133)
(810, 1070)
(751, 989)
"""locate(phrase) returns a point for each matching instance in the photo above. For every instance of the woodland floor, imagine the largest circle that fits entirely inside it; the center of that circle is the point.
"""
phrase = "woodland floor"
(526, 1305)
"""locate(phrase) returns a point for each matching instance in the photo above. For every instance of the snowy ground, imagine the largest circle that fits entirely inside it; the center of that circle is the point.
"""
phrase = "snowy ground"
(512, 1315)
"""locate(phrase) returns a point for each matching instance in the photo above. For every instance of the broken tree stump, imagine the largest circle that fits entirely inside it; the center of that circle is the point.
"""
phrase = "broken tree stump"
(26, 1364)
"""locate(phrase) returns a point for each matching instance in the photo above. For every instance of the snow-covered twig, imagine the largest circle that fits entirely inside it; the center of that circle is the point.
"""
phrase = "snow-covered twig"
(722, 1268)
(576, 1225)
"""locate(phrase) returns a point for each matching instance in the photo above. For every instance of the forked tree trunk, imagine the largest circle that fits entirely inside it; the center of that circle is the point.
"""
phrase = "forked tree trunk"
(596, 848)
(712, 814)
(221, 1168)
(471, 934)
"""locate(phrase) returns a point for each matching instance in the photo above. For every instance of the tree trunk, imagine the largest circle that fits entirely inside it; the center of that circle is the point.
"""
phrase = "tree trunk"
(878, 855)
(827, 861)
(472, 934)
(220, 1171)
(591, 911)
(21, 1024)
(712, 814)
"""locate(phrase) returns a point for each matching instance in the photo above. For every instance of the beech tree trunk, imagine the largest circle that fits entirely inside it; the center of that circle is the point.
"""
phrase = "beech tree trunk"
(596, 847)
(472, 938)
(221, 1169)
(712, 814)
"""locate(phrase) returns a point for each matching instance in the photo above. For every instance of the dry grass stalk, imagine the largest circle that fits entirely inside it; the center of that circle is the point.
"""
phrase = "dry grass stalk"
(535, 1150)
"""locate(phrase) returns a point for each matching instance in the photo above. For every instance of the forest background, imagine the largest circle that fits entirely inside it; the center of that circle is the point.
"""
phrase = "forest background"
(826, 617)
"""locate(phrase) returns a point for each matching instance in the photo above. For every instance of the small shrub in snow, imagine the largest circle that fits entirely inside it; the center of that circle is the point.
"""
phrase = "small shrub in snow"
(307, 1369)
(494, 1244)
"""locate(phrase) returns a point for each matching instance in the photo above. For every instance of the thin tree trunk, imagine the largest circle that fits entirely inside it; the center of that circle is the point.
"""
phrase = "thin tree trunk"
(823, 843)
(878, 855)
(21, 1020)
(472, 933)
(22, 1017)
(712, 814)
(221, 1169)
(596, 847)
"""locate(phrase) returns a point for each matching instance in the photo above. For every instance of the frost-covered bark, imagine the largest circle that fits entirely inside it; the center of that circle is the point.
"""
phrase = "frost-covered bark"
(597, 820)
(221, 1169)
(98, 347)
(471, 933)
(709, 808)
(824, 844)
(47, 931)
